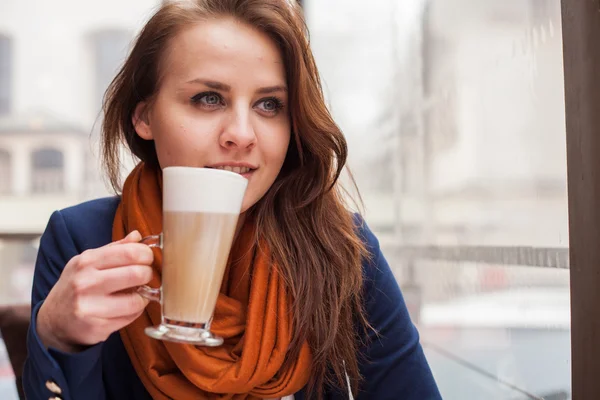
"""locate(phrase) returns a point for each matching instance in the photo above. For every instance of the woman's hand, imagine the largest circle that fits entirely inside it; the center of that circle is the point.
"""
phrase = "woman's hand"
(95, 295)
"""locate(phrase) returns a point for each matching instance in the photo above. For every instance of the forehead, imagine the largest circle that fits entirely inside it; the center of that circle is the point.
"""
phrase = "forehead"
(225, 50)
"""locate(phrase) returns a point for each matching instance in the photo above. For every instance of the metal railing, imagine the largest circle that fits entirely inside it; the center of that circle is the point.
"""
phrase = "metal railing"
(546, 257)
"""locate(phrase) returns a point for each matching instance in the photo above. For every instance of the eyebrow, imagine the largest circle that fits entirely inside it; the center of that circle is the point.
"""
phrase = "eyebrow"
(272, 89)
(226, 88)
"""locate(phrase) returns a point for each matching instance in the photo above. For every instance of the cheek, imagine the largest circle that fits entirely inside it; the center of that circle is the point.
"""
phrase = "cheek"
(274, 151)
(283, 149)
(170, 147)
(278, 147)
(181, 141)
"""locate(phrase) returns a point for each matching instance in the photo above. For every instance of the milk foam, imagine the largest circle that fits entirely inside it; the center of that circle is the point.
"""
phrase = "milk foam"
(207, 190)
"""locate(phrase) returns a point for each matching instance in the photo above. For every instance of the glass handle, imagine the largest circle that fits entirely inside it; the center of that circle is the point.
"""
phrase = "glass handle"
(149, 293)
(154, 241)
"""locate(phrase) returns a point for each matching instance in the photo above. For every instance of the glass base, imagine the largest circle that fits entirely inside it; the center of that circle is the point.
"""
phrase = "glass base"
(183, 334)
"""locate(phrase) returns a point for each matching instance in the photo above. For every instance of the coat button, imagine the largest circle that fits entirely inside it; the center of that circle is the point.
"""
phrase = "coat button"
(53, 387)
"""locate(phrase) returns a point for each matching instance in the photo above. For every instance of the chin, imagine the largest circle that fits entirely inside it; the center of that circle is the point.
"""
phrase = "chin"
(247, 205)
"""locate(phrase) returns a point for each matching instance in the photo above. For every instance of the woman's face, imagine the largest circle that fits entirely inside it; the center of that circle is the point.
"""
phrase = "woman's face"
(222, 103)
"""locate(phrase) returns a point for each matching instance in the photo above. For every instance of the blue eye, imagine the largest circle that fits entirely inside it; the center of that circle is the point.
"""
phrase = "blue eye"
(209, 99)
(272, 105)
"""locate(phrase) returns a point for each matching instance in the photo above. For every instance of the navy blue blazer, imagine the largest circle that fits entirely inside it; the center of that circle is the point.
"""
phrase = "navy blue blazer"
(396, 367)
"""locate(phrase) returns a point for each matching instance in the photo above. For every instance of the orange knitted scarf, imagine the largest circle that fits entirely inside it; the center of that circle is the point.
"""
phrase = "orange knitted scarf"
(252, 315)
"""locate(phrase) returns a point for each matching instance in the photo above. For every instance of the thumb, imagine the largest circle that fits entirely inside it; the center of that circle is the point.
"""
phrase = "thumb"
(132, 237)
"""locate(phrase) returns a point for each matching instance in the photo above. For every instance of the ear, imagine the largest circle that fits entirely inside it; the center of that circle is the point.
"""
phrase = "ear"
(141, 122)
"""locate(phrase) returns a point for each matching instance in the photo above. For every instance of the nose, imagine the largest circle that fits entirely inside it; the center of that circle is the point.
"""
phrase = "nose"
(238, 132)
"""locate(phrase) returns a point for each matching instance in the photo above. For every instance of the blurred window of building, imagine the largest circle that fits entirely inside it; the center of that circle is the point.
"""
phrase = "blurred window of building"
(110, 47)
(5, 73)
(48, 171)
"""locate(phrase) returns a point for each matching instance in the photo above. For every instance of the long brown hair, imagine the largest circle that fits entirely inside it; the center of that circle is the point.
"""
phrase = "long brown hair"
(303, 217)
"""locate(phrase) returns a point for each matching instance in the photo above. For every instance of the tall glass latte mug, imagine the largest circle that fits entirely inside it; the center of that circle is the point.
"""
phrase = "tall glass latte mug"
(201, 207)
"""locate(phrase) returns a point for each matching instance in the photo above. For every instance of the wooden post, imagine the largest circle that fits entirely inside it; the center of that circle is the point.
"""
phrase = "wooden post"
(581, 46)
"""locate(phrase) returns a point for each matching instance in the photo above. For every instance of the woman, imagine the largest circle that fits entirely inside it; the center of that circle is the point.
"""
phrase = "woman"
(223, 84)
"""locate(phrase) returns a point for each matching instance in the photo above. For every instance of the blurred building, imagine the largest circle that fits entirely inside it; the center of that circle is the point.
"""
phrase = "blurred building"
(43, 163)
(493, 122)
(56, 60)
(454, 111)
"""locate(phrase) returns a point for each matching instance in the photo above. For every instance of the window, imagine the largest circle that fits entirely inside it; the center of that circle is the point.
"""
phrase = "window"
(110, 48)
(48, 171)
(473, 93)
(5, 171)
(5, 73)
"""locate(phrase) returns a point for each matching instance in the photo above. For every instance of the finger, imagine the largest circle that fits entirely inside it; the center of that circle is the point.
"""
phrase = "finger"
(115, 306)
(117, 255)
(132, 237)
(100, 328)
(116, 279)
(115, 324)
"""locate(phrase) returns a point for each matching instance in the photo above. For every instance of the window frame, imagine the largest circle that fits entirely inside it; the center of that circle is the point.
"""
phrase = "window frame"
(581, 55)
